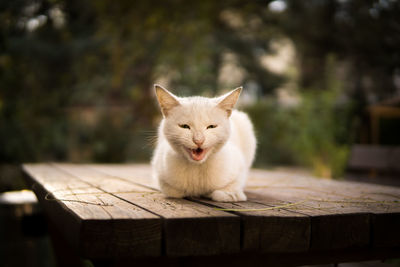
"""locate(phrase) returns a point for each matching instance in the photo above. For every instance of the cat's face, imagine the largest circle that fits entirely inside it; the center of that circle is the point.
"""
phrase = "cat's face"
(196, 127)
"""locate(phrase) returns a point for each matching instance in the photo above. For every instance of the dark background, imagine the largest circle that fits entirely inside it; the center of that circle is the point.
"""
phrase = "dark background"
(76, 77)
(76, 82)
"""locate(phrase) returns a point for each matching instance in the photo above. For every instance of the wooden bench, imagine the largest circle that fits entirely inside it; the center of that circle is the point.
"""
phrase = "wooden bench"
(375, 157)
(113, 215)
(374, 164)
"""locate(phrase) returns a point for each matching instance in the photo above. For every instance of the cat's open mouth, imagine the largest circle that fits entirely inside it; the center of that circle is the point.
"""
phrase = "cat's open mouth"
(197, 154)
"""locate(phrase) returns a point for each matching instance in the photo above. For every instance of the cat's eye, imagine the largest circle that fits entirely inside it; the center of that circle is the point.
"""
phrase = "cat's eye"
(211, 126)
(184, 126)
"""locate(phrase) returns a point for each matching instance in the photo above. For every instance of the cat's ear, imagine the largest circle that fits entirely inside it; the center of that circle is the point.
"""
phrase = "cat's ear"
(166, 99)
(229, 100)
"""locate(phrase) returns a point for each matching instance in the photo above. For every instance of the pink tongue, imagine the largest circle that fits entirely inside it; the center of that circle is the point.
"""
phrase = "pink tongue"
(197, 154)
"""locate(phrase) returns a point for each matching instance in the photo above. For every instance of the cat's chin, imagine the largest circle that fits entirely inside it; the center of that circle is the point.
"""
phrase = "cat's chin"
(198, 155)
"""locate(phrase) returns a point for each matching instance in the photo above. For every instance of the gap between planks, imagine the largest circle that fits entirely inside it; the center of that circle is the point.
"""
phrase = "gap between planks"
(296, 190)
(92, 225)
(292, 229)
(188, 238)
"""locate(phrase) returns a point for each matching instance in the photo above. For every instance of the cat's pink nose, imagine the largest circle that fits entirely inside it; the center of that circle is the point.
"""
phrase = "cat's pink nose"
(198, 142)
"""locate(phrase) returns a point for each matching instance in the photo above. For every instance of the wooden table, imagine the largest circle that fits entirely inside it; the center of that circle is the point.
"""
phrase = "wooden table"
(112, 214)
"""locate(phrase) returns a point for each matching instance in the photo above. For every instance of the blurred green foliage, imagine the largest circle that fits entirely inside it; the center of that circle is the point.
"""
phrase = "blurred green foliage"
(312, 134)
(76, 76)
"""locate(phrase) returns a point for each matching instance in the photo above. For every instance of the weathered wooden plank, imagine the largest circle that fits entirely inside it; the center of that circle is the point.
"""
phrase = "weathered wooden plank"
(188, 226)
(136, 173)
(332, 226)
(353, 205)
(329, 230)
(265, 229)
(262, 230)
(323, 215)
(96, 224)
(343, 213)
(382, 203)
(262, 179)
(374, 207)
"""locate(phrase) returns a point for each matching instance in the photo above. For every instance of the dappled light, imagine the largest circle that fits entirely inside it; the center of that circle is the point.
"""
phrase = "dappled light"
(77, 76)
(321, 85)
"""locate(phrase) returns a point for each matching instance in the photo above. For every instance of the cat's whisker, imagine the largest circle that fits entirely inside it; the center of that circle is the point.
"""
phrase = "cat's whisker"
(151, 138)
(151, 141)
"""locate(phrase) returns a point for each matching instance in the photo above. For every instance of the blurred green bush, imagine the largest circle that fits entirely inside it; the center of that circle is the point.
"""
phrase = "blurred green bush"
(312, 134)
(76, 76)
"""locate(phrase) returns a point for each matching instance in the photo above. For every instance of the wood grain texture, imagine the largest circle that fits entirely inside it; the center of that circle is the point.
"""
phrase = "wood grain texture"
(95, 224)
(344, 214)
(285, 213)
(263, 231)
(331, 227)
(269, 230)
(338, 214)
(188, 227)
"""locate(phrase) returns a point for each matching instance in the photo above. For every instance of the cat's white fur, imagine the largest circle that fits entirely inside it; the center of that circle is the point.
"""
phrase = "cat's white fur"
(229, 148)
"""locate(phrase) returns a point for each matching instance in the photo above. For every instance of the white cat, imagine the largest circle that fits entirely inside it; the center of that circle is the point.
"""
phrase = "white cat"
(204, 147)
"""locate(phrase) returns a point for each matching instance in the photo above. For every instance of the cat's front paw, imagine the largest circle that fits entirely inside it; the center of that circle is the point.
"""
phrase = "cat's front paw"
(228, 196)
